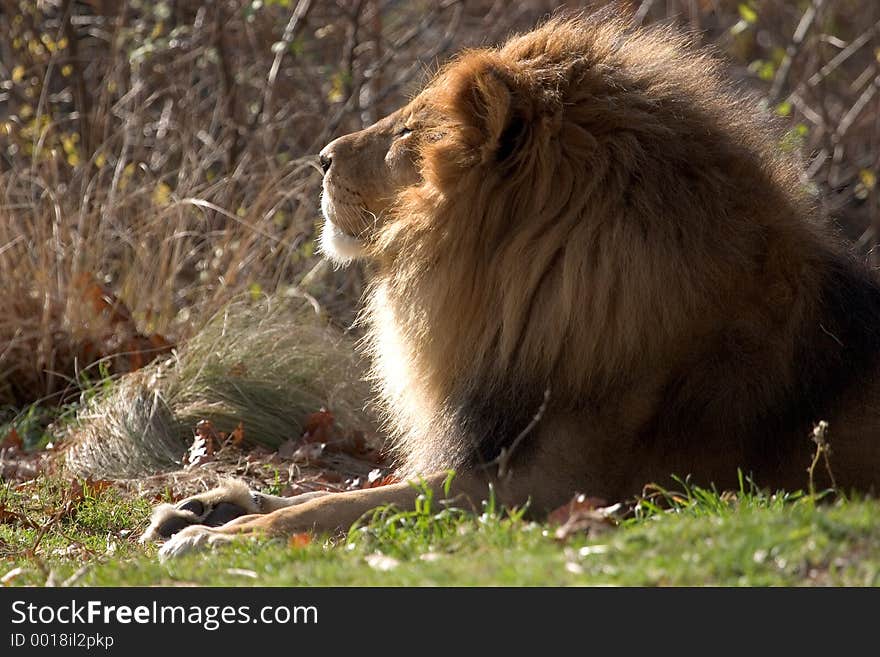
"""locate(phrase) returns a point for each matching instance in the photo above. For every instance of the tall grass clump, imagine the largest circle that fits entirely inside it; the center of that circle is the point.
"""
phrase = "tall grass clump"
(266, 365)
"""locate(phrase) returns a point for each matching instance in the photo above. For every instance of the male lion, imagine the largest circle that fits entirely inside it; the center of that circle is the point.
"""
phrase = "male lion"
(592, 268)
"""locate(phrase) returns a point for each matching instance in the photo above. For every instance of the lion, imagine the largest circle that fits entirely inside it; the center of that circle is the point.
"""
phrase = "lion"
(592, 267)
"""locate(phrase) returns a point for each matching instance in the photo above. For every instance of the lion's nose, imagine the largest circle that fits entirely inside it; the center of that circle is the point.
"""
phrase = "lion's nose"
(326, 161)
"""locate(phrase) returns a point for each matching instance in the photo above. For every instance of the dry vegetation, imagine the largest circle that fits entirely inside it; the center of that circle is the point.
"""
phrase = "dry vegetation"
(159, 197)
(157, 158)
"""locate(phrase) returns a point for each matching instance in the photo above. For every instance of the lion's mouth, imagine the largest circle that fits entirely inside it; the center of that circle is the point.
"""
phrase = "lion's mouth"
(338, 245)
(335, 242)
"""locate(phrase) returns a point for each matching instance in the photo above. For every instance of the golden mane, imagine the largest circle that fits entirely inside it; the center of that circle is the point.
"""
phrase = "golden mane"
(584, 201)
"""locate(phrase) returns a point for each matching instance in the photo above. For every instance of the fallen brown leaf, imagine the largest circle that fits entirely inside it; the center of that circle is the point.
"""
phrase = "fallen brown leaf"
(299, 541)
(237, 435)
(205, 429)
(331, 476)
(12, 439)
(583, 515)
(579, 503)
(319, 427)
(375, 479)
(9, 516)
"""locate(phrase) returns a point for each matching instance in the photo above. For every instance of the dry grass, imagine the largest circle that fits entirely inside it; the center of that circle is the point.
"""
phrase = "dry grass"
(266, 365)
(160, 155)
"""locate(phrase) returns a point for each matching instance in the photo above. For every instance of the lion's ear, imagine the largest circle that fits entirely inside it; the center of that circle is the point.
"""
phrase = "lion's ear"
(479, 98)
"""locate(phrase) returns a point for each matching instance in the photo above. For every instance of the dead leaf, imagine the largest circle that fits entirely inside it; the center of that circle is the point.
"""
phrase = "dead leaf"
(576, 504)
(197, 454)
(103, 300)
(76, 493)
(206, 431)
(159, 343)
(205, 443)
(583, 515)
(13, 440)
(9, 516)
(88, 487)
(353, 444)
(237, 435)
(120, 338)
(375, 479)
(97, 486)
(238, 370)
(318, 427)
(331, 476)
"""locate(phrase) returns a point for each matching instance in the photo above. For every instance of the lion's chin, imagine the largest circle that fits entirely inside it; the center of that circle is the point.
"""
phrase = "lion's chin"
(338, 246)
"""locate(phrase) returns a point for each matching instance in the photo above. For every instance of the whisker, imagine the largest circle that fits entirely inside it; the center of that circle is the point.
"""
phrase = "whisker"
(313, 162)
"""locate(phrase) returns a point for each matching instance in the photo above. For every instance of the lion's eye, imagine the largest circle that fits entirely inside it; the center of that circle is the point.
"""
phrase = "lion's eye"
(403, 132)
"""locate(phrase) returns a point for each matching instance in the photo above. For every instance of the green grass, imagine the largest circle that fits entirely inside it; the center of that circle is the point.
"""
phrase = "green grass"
(695, 537)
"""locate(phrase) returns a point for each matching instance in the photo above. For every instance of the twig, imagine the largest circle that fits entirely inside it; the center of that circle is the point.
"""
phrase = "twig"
(73, 579)
(836, 61)
(823, 452)
(81, 96)
(845, 123)
(227, 79)
(844, 54)
(857, 108)
(299, 13)
(642, 12)
(794, 47)
(506, 454)
(390, 53)
(351, 46)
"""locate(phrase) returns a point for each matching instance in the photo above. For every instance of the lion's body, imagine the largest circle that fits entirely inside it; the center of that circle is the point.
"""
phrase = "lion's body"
(643, 251)
(588, 226)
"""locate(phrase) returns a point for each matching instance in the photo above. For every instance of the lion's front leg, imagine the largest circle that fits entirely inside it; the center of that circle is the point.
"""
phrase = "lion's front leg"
(333, 513)
(216, 507)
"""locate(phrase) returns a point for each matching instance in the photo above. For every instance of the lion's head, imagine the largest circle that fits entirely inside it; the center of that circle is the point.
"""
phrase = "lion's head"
(364, 173)
(566, 210)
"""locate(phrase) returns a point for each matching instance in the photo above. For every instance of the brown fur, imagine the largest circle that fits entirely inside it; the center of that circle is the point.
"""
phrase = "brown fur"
(591, 210)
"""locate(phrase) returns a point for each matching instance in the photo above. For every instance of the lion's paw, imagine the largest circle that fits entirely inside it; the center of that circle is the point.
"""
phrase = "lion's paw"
(194, 538)
(210, 509)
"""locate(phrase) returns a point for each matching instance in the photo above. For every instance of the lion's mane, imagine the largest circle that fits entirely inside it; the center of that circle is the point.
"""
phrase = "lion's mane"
(598, 209)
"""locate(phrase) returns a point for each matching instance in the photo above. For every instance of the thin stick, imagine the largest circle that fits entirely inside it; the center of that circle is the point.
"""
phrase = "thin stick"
(507, 452)
(823, 451)
(299, 13)
(794, 47)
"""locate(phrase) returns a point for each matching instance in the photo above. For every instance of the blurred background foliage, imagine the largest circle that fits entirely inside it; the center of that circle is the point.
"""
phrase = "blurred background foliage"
(157, 157)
